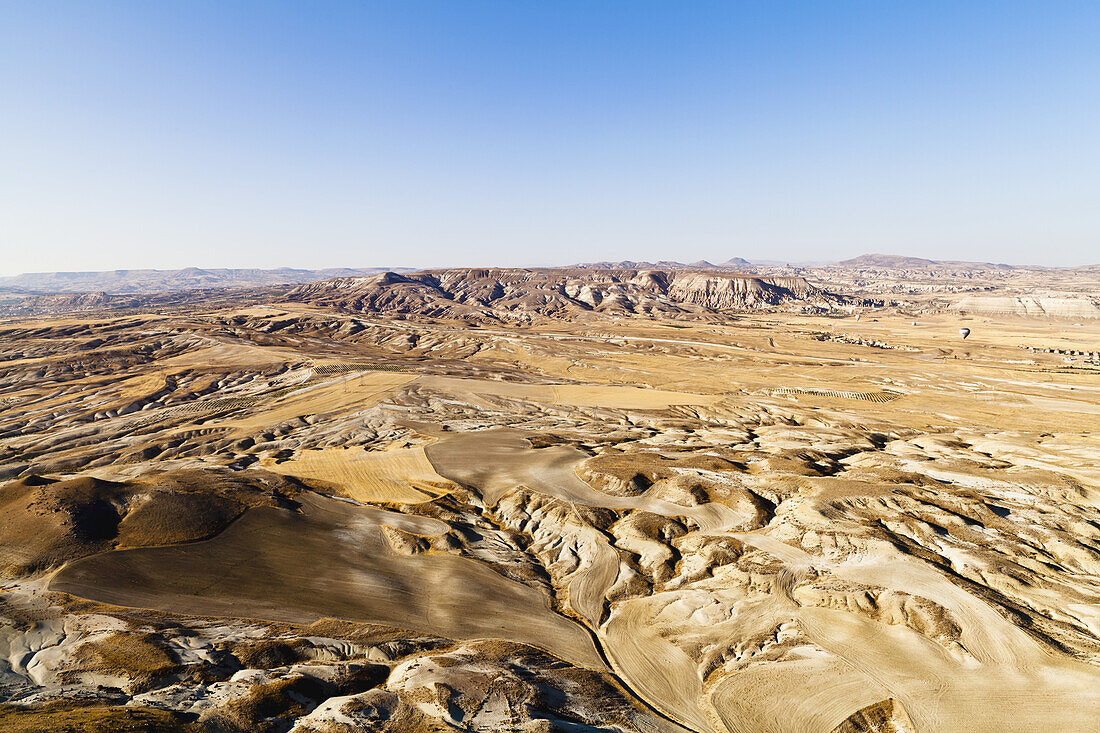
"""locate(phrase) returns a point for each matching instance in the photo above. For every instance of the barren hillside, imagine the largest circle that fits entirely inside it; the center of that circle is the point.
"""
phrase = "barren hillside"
(512, 500)
(495, 294)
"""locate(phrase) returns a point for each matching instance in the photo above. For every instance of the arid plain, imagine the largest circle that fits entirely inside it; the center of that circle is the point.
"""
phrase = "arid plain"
(604, 500)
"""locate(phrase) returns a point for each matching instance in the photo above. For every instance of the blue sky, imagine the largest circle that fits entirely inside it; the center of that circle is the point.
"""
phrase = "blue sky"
(464, 132)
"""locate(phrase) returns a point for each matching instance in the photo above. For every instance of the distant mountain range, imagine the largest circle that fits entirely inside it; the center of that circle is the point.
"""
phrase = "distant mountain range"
(901, 262)
(862, 262)
(160, 281)
(139, 282)
(730, 264)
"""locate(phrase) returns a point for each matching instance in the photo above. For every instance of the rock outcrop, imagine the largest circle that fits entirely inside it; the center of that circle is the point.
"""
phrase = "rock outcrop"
(1073, 306)
(518, 293)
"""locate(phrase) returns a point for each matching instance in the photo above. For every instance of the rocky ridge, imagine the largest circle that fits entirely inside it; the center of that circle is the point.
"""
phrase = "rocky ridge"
(518, 294)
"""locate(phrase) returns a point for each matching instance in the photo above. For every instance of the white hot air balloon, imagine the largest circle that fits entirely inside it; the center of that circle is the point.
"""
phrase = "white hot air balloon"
(964, 332)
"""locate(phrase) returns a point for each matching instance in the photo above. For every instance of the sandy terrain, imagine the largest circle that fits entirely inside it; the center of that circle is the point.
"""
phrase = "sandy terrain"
(312, 517)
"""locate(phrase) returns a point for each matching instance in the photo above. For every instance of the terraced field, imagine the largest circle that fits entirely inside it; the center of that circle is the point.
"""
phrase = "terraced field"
(884, 396)
(328, 370)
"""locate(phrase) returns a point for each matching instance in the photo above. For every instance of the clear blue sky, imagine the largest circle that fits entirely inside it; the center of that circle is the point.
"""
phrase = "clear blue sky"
(314, 134)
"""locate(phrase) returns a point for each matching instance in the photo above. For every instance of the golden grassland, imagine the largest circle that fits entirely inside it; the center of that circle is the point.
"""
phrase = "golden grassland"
(398, 475)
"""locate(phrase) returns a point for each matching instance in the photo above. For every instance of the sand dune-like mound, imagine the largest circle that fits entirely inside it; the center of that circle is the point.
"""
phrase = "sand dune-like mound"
(46, 522)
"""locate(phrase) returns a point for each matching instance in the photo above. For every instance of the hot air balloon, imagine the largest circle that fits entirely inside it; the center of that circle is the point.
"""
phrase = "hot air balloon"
(964, 332)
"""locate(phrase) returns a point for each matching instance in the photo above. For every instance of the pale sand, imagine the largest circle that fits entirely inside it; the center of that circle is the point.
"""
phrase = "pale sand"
(977, 495)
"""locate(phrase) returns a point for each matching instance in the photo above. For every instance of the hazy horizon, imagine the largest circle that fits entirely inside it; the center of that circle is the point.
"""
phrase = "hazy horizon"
(437, 134)
(481, 265)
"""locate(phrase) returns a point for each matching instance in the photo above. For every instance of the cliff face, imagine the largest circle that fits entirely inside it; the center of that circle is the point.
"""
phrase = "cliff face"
(721, 292)
(518, 293)
(1073, 306)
